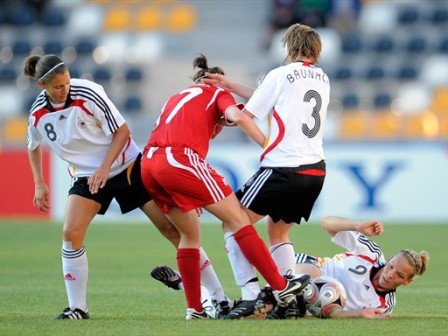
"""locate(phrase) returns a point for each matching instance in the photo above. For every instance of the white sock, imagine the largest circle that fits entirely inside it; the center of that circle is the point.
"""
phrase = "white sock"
(209, 278)
(243, 271)
(75, 269)
(284, 256)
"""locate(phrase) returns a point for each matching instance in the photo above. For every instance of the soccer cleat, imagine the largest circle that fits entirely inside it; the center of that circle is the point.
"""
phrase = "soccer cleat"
(294, 287)
(267, 296)
(73, 314)
(246, 308)
(301, 305)
(192, 314)
(291, 311)
(222, 308)
(167, 276)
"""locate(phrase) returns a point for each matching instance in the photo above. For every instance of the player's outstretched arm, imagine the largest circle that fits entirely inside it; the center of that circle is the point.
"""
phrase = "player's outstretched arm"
(334, 224)
(224, 83)
(368, 313)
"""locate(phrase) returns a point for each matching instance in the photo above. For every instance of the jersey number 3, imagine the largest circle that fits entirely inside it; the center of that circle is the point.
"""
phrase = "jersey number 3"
(311, 133)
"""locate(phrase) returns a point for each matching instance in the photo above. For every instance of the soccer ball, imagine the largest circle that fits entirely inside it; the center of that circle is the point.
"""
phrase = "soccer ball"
(323, 295)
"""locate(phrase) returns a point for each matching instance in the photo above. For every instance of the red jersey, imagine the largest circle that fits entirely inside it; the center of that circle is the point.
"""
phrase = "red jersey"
(188, 118)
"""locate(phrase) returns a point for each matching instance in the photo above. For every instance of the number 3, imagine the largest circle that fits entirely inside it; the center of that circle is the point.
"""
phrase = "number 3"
(310, 133)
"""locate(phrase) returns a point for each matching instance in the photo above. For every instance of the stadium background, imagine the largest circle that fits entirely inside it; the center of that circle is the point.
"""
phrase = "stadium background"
(387, 60)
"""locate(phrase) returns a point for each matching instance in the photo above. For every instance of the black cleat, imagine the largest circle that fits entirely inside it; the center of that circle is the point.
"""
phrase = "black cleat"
(167, 276)
(291, 311)
(294, 287)
(73, 314)
(246, 308)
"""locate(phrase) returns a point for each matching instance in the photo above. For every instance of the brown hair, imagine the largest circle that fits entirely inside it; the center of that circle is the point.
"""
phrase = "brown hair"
(302, 41)
(418, 260)
(43, 68)
(201, 63)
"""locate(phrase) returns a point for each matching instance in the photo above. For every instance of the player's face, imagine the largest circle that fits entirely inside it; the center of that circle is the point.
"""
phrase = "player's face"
(58, 87)
(397, 272)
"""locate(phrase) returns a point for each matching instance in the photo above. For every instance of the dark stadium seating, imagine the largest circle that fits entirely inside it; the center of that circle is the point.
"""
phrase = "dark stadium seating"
(407, 72)
(134, 74)
(439, 15)
(53, 47)
(21, 48)
(416, 44)
(443, 45)
(342, 73)
(382, 100)
(350, 101)
(132, 104)
(7, 74)
(375, 72)
(54, 17)
(22, 16)
(102, 75)
(408, 16)
(84, 46)
(352, 44)
(384, 44)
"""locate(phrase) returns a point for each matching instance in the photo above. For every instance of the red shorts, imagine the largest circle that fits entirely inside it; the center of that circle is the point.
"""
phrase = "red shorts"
(179, 177)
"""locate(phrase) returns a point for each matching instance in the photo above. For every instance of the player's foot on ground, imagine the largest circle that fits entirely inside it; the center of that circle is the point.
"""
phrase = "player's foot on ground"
(192, 314)
(167, 276)
(291, 311)
(267, 296)
(246, 309)
(223, 308)
(294, 287)
(73, 314)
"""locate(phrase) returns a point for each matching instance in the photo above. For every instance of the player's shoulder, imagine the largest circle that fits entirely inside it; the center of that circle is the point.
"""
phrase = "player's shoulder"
(86, 89)
(84, 83)
(39, 103)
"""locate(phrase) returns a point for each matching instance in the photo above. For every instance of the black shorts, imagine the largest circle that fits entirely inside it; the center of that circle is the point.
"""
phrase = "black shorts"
(286, 194)
(127, 188)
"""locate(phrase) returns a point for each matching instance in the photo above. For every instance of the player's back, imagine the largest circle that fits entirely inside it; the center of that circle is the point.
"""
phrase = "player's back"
(188, 118)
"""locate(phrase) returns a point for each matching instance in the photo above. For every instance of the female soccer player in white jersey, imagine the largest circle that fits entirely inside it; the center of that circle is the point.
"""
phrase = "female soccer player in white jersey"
(83, 127)
(294, 97)
(175, 172)
(369, 281)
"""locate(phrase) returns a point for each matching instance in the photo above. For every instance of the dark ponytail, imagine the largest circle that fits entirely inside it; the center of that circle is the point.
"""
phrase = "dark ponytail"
(43, 68)
(201, 63)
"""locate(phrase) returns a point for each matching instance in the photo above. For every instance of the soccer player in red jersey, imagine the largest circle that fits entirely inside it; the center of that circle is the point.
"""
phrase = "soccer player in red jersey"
(175, 172)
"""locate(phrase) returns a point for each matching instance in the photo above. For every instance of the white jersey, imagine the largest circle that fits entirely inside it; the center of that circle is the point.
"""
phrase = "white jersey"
(81, 132)
(355, 269)
(295, 98)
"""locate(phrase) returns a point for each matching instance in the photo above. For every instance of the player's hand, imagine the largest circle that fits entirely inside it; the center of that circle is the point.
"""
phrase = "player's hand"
(41, 198)
(218, 80)
(374, 313)
(98, 179)
(371, 228)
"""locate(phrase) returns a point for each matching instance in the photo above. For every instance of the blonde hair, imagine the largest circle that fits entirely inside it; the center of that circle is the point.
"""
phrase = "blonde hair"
(302, 41)
(418, 260)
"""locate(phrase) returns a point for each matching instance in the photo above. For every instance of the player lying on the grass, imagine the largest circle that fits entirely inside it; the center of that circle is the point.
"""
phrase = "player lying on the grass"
(369, 280)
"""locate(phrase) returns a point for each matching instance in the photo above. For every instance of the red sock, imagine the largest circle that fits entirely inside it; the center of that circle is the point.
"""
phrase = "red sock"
(258, 255)
(188, 263)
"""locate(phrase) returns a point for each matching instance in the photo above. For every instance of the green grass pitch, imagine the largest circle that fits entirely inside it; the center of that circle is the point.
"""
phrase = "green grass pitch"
(124, 300)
